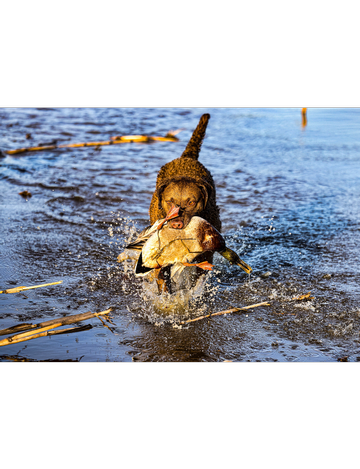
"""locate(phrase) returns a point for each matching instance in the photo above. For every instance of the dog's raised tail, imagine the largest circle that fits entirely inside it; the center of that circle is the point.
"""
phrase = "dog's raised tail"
(193, 148)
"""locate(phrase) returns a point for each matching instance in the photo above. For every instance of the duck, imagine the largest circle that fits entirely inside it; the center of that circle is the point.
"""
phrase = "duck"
(161, 245)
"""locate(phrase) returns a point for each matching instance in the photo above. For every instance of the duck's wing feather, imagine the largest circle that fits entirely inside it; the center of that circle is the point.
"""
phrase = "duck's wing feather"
(138, 244)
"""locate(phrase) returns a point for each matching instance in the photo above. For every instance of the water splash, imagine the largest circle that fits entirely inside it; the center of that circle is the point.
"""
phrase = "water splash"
(117, 283)
(146, 302)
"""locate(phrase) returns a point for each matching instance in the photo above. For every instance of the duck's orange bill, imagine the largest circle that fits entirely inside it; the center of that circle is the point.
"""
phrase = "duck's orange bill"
(172, 213)
(203, 265)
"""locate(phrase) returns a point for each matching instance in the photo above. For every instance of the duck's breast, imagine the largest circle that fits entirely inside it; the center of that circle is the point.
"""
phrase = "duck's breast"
(168, 246)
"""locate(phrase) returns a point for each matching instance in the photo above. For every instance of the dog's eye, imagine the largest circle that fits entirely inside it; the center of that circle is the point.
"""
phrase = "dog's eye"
(191, 203)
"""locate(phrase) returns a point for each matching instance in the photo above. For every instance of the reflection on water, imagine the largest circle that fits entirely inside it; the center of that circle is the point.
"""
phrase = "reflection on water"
(289, 200)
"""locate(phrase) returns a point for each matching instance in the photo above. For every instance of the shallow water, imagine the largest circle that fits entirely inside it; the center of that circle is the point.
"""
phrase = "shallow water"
(289, 199)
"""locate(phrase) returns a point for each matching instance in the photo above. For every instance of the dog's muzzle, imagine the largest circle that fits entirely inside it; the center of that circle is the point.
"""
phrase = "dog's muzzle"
(177, 223)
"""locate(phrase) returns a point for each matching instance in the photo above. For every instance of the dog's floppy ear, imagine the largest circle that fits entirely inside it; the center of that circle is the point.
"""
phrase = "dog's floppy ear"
(160, 189)
(206, 189)
(205, 192)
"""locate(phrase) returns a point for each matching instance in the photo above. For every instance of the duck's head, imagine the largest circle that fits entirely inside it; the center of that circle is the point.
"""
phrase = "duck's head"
(211, 240)
(233, 258)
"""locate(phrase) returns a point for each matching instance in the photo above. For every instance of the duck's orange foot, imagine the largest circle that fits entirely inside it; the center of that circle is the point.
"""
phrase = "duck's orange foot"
(203, 265)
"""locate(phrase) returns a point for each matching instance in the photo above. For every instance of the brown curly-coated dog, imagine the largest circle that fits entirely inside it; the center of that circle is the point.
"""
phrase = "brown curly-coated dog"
(184, 188)
(187, 184)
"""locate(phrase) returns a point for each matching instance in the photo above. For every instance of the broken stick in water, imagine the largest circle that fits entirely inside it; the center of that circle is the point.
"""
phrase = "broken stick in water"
(229, 311)
(20, 337)
(19, 289)
(51, 324)
(169, 137)
(63, 321)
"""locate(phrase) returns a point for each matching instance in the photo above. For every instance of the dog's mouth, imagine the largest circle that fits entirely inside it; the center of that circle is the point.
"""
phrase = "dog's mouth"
(181, 221)
(177, 218)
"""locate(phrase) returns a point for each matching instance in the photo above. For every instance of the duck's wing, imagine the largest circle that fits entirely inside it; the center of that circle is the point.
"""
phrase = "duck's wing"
(138, 244)
(140, 270)
(128, 254)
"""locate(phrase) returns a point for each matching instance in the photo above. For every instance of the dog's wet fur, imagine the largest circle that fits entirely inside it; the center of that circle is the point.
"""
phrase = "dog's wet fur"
(187, 184)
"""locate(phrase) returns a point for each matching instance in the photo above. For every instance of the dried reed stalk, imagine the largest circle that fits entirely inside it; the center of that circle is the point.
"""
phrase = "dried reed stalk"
(114, 141)
(233, 310)
(16, 338)
(19, 289)
(38, 330)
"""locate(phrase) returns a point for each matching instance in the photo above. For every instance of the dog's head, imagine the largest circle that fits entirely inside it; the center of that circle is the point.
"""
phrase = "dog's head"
(188, 194)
